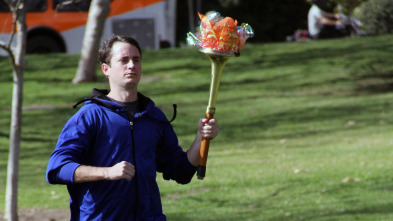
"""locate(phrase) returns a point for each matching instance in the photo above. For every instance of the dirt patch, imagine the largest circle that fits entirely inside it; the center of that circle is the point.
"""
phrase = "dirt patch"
(34, 214)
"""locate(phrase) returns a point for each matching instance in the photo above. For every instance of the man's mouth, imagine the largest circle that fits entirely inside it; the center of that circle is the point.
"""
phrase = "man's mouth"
(130, 74)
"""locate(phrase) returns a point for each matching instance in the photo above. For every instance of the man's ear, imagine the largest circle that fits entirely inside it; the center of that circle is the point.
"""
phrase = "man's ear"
(104, 68)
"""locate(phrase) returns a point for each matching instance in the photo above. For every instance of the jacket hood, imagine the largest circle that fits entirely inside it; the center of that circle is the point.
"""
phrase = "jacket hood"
(145, 104)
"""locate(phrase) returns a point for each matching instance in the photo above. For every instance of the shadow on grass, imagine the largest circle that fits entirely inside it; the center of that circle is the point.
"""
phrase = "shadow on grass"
(353, 58)
(41, 129)
(374, 82)
(4, 134)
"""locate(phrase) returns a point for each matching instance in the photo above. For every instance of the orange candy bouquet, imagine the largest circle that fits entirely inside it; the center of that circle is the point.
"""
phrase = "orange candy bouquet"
(221, 34)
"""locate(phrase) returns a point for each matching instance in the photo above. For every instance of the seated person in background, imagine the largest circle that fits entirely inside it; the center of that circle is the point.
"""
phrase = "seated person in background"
(322, 24)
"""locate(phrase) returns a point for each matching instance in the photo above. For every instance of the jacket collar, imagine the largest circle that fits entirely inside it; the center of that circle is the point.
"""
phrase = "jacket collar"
(99, 97)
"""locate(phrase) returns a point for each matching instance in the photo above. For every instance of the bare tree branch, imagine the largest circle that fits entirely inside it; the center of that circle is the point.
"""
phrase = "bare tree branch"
(14, 7)
(9, 52)
(67, 3)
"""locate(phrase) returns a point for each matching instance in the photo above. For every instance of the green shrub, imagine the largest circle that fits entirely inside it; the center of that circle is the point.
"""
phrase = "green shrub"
(348, 5)
(377, 16)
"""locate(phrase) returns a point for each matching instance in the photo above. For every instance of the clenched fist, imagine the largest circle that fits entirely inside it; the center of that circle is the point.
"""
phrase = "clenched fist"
(122, 170)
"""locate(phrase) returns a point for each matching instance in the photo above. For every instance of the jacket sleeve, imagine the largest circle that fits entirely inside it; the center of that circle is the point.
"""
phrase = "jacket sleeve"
(172, 161)
(71, 145)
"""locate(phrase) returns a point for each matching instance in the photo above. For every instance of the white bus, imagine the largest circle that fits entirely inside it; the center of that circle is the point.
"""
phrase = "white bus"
(61, 29)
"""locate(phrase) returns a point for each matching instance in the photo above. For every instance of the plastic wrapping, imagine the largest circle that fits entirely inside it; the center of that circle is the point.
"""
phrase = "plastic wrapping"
(221, 34)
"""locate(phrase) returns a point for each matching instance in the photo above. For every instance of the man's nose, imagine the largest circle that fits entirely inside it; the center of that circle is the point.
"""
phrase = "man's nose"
(131, 64)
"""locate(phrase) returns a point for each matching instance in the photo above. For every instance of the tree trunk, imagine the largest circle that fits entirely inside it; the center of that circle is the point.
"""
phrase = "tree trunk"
(11, 208)
(171, 21)
(98, 12)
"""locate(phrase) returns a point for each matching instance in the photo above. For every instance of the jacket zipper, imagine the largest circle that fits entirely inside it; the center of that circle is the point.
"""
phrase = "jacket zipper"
(135, 175)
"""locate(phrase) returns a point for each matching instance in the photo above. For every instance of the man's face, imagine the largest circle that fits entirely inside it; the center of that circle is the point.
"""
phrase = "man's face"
(125, 66)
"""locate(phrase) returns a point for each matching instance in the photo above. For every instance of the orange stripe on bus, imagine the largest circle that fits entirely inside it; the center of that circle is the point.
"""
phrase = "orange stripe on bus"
(63, 21)
(125, 6)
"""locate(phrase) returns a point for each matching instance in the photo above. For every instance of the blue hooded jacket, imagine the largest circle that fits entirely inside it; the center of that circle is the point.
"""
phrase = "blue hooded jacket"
(101, 135)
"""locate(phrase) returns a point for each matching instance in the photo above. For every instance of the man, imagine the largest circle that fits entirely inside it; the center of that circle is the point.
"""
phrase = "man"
(109, 152)
(323, 24)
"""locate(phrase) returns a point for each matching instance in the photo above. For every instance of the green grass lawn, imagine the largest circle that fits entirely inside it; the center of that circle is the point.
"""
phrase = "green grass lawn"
(306, 129)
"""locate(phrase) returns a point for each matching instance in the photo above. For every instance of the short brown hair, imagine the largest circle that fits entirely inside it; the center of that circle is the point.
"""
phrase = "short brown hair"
(106, 48)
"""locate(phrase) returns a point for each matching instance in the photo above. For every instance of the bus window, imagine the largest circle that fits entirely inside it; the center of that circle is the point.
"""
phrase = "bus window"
(32, 6)
(79, 5)
(3, 6)
(36, 5)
